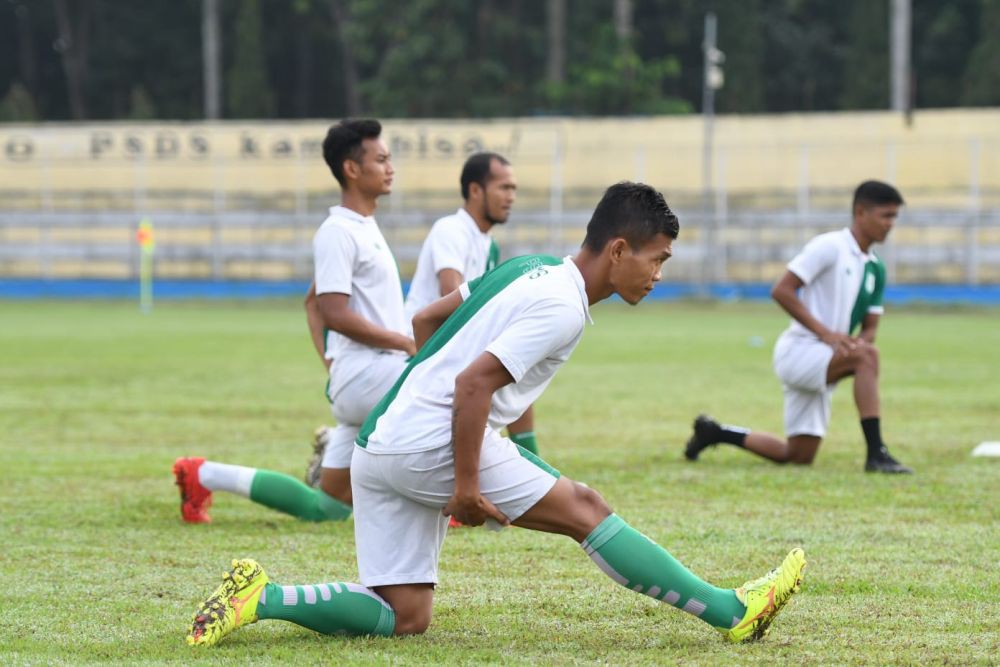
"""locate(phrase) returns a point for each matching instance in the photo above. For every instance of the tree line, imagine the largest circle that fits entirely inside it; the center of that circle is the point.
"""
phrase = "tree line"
(107, 59)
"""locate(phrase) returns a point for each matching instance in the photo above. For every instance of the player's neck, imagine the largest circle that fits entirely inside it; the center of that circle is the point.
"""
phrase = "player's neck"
(482, 223)
(595, 275)
(863, 241)
(359, 203)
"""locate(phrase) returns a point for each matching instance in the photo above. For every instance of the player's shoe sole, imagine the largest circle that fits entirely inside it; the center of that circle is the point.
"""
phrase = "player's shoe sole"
(195, 498)
(315, 467)
(232, 605)
(766, 596)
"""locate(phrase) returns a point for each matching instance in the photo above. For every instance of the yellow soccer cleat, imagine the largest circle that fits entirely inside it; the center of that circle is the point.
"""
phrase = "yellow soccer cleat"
(232, 605)
(765, 597)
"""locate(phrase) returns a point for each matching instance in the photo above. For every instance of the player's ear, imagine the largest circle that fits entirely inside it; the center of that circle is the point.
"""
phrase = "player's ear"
(352, 169)
(617, 248)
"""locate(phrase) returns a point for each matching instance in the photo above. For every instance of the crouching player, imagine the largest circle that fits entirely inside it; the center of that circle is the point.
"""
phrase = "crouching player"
(431, 448)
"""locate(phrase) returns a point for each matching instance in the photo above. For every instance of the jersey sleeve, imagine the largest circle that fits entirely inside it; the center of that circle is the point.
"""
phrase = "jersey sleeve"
(467, 288)
(334, 256)
(543, 330)
(816, 257)
(875, 306)
(447, 248)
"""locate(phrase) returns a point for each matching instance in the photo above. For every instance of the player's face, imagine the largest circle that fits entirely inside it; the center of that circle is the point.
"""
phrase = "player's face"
(875, 221)
(635, 272)
(375, 173)
(500, 193)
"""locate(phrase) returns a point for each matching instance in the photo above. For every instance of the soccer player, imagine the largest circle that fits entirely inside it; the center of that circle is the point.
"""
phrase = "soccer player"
(432, 448)
(459, 249)
(356, 305)
(831, 288)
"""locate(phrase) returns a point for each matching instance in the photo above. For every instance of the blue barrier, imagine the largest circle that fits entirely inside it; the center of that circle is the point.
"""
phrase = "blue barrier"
(26, 289)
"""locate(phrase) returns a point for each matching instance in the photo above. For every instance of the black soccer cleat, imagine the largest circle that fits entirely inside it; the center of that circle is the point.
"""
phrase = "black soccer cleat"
(883, 462)
(706, 431)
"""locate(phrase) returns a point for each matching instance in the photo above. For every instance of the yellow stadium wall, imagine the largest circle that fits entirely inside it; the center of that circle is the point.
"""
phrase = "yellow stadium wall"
(941, 159)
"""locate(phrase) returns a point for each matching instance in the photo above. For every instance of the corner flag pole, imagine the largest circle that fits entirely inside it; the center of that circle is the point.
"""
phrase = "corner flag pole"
(144, 236)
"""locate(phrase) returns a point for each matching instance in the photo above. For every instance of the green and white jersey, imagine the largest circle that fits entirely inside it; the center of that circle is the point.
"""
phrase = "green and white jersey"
(842, 284)
(529, 313)
(454, 242)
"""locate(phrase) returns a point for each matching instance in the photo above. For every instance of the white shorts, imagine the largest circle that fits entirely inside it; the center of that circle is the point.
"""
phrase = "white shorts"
(351, 400)
(398, 498)
(801, 364)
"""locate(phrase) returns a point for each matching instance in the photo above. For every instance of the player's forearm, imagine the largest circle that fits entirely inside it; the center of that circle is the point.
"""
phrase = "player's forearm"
(357, 328)
(867, 334)
(430, 319)
(448, 281)
(471, 410)
(792, 305)
(426, 322)
(314, 320)
(423, 329)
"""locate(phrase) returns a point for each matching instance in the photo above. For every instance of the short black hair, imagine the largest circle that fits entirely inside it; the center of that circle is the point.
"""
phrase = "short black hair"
(343, 141)
(633, 211)
(477, 170)
(876, 193)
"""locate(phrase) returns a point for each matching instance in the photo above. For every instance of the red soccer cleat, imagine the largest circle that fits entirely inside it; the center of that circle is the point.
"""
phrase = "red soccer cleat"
(195, 498)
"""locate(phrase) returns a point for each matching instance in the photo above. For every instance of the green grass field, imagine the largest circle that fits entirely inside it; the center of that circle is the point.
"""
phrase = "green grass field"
(96, 401)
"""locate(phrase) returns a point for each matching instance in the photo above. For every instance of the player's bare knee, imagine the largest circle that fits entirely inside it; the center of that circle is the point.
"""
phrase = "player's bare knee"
(341, 492)
(871, 356)
(414, 623)
(590, 505)
(801, 458)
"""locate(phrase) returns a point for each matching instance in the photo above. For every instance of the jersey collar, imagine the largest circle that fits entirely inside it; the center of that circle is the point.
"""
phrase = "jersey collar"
(469, 220)
(344, 212)
(852, 243)
(574, 271)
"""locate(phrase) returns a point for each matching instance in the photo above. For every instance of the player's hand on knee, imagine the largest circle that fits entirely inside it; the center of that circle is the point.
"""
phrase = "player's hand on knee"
(841, 343)
(474, 510)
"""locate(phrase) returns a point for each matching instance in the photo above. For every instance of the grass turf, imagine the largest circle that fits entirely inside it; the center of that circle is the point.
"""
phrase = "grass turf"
(97, 400)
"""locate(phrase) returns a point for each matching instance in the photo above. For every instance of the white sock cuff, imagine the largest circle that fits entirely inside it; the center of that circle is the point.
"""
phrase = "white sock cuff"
(225, 477)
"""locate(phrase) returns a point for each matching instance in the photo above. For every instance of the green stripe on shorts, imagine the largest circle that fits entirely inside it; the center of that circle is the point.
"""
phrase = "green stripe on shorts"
(537, 460)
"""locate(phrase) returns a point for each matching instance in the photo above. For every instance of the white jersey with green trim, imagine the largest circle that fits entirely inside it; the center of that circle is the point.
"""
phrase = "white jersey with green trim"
(529, 313)
(841, 284)
(454, 242)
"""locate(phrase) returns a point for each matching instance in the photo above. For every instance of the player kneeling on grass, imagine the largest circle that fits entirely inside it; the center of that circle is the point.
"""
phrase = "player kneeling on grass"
(355, 315)
(432, 449)
(831, 288)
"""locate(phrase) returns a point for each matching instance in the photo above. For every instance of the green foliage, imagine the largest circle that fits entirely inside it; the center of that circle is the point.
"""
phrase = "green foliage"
(803, 54)
(866, 65)
(248, 91)
(455, 58)
(142, 107)
(981, 82)
(943, 36)
(98, 569)
(741, 36)
(611, 79)
(18, 106)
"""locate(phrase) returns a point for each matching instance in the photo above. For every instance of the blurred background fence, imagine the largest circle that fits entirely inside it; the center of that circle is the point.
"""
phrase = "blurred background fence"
(240, 201)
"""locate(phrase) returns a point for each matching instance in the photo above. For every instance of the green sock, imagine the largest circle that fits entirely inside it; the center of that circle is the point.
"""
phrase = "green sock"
(329, 608)
(287, 494)
(636, 562)
(526, 440)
